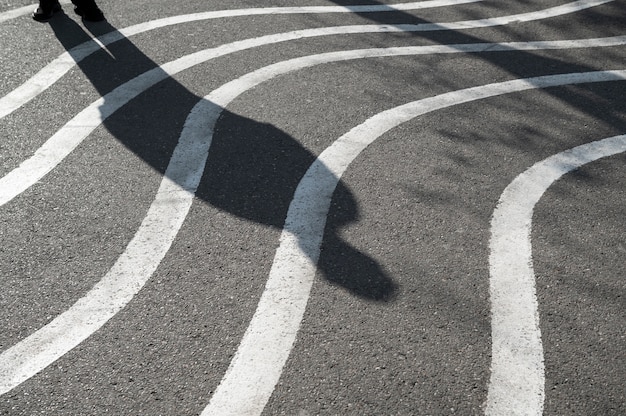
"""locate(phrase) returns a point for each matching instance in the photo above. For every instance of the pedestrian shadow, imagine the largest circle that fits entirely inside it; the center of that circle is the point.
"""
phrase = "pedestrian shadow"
(252, 170)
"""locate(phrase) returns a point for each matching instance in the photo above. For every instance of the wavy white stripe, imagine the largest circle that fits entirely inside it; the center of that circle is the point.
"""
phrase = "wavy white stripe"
(167, 212)
(517, 368)
(11, 14)
(57, 68)
(61, 144)
(266, 345)
(176, 193)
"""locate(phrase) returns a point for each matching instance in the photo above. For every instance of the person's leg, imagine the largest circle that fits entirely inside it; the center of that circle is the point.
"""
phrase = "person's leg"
(88, 10)
(46, 9)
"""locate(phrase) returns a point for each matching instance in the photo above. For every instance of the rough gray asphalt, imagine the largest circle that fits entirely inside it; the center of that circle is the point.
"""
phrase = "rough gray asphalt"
(398, 320)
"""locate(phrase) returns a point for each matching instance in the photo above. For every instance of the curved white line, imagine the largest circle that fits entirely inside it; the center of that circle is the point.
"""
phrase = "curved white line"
(266, 345)
(517, 370)
(127, 276)
(63, 142)
(61, 65)
(278, 10)
(155, 235)
(57, 68)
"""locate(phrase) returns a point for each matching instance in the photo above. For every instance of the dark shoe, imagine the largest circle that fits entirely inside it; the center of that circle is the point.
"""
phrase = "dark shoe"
(46, 9)
(88, 10)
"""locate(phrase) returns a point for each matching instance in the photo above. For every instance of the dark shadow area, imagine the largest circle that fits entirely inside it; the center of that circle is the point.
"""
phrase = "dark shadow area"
(252, 169)
(521, 64)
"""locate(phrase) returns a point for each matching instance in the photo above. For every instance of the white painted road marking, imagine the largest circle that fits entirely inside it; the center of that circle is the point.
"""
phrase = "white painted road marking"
(63, 142)
(69, 329)
(61, 65)
(128, 275)
(517, 370)
(375, 8)
(184, 186)
(57, 68)
(266, 345)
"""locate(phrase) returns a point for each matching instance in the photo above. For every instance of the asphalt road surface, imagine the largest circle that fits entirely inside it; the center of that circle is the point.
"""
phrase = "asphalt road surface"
(314, 208)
